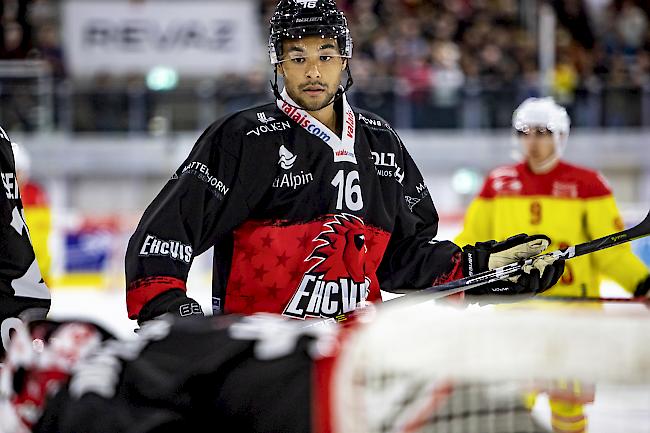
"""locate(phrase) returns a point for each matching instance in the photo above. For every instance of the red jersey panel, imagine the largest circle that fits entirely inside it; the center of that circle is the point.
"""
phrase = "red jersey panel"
(338, 272)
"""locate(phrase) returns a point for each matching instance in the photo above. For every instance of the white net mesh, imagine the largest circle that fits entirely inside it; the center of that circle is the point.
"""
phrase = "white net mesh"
(430, 369)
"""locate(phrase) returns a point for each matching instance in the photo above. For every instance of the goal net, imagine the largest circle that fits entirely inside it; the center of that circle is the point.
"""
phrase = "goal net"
(426, 368)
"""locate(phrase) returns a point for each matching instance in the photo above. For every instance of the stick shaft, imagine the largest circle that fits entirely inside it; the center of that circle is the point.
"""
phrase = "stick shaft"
(635, 300)
(640, 230)
(493, 275)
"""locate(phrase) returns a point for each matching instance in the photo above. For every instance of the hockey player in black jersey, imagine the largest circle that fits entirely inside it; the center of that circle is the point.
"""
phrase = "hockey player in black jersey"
(251, 374)
(23, 294)
(312, 206)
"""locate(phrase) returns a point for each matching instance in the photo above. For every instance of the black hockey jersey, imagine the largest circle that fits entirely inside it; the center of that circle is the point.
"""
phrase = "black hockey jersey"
(304, 223)
(21, 285)
(227, 377)
(253, 374)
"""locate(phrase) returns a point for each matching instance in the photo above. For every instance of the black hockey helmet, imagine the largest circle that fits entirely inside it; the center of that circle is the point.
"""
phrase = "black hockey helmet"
(294, 19)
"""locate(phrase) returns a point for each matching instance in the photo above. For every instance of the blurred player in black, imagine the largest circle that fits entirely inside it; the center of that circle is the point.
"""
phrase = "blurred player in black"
(23, 293)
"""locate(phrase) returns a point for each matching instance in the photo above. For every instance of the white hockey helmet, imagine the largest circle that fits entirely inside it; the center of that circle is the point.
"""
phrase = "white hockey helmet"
(543, 113)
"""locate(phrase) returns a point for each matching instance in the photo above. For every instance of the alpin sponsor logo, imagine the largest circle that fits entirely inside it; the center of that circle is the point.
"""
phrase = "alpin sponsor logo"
(153, 246)
(290, 180)
(286, 158)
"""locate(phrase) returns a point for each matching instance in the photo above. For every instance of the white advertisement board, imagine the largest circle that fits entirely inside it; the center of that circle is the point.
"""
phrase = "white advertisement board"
(194, 37)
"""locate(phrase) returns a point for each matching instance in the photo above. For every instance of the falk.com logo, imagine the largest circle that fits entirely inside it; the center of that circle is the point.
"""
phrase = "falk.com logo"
(337, 281)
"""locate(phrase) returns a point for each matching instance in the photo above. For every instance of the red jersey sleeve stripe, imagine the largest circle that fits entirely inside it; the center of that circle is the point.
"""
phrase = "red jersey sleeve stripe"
(144, 290)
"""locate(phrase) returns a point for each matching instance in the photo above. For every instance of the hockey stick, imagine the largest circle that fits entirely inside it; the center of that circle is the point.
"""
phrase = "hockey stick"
(493, 275)
(587, 299)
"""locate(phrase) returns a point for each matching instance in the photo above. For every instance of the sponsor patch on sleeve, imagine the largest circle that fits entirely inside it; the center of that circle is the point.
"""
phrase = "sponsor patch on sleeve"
(154, 247)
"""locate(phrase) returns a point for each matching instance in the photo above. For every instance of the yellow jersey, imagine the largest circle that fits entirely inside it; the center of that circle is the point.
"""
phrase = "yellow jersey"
(571, 205)
(38, 217)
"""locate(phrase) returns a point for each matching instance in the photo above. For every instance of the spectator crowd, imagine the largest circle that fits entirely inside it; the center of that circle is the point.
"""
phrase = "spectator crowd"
(419, 63)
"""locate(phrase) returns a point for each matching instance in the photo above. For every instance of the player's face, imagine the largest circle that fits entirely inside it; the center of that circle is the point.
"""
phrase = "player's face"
(538, 145)
(312, 69)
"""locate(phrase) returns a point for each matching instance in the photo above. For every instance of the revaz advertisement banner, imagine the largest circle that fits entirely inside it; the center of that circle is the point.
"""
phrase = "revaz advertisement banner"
(195, 37)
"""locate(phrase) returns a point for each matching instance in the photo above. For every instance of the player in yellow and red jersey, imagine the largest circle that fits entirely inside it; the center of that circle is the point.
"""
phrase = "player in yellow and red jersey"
(570, 204)
(38, 214)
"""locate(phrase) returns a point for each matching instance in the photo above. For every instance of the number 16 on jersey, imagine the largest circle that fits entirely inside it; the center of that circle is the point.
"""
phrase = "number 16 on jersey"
(349, 190)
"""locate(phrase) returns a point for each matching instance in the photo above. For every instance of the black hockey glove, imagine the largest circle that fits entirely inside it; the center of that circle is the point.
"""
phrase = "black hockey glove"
(643, 288)
(173, 301)
(536, 278)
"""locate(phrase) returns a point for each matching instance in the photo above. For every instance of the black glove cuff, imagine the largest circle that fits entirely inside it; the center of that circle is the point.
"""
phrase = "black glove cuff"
(642, 288)
(173, 301)
(476, 257)
(14, 306)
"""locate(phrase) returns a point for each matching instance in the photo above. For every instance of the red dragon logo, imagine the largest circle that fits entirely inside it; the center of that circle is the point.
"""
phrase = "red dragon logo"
(342, 249)
(337, 281)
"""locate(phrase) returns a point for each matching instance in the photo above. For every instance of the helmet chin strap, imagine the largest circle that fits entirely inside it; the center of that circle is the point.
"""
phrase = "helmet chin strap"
(337, 96)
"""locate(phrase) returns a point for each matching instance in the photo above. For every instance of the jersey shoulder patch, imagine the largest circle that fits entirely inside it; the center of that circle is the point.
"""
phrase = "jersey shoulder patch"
(369, 120)
(230, 131)
(261, 121)
(502, 180)
(504, 171)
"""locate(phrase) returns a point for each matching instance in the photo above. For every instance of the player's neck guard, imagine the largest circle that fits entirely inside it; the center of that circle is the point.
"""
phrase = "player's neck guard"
(342, 146)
